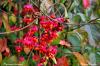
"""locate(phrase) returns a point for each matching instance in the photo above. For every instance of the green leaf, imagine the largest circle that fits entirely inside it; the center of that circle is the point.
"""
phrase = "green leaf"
(92, 58)
(63, 1)
(66, 13)
(74, 5)
(5, 3)
(83, 17)
(75, 41)
(6, 22)
(65, 50)
(95, 32)
(24, 63)
(59, 54)
(9, 61)
(12, 37)
(33, 63)
(12, 18)
(56, 41)
(76, 2)
(98, 58)
(88, 12)
(73, 61)
(76, 19)
(91, 34)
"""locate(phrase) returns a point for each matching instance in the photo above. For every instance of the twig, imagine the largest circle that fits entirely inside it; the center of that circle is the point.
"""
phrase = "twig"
(1, 33)
(39, 31)
(83, 24)
(29, 55)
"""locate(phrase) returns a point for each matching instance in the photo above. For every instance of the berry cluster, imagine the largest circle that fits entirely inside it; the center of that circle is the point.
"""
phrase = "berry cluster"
(28, 11)
(49, 26)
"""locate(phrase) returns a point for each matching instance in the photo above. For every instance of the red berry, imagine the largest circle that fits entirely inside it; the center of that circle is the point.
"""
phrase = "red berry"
(18, 49)
(36, 57)
(51, 51)
(21, 58)
(28, 8)
(27, 20)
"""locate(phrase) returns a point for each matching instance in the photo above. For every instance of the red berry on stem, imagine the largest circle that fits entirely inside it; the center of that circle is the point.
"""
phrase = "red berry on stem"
(27, 20)
(21, 58)
(36, 57)
(18, 49)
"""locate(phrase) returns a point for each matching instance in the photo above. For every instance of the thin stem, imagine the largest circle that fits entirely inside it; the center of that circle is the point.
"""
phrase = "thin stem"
(39, 24)
(1, 33)
(29, 55)
(89, 22)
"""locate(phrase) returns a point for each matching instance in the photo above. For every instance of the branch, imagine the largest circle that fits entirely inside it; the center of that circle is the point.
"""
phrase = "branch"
(83, 24)
(1, 33)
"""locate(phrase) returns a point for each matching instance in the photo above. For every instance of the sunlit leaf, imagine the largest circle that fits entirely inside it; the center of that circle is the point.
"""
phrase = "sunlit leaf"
(81, 59)
(6, 22)
(24, 63)
(54, 60)
(0, 58)
(26, 50)
(9, 61)
(12, 18)
(56, 41)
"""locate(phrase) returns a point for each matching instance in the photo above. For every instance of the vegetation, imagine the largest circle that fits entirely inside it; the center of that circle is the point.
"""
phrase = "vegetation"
(50, 32)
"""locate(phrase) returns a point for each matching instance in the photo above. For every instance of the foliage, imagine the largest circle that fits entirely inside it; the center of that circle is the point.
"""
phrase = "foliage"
(50, 32)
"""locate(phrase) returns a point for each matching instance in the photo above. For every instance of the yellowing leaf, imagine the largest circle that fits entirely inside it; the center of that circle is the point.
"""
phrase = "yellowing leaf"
(26, 50)
(9, 60)
(13, 59)
(54, 60)
(46, 4)
(81, 59)
(5, 22)
(0, 58)
(12, 18)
